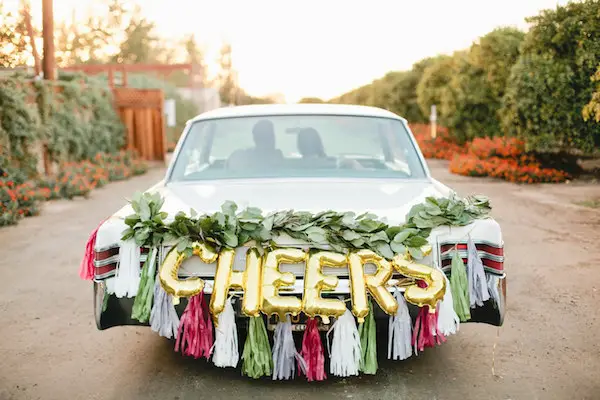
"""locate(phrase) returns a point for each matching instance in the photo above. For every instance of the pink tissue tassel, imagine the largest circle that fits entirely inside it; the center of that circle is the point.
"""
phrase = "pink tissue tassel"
(195, 335)
(312, 352)
(86, 269)
(426, 332)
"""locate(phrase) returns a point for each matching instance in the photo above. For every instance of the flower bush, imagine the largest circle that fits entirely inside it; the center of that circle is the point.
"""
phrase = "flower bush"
(525, 169)
(20, 198)
(499, 157)
(442, 147)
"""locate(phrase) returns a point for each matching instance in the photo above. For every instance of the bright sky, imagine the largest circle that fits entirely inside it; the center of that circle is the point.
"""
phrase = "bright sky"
(327, 47)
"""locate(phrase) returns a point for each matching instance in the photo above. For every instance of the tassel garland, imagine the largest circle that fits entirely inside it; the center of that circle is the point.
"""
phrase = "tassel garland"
(426, 333)
(460, 288)
(478, 290)
(400, 331)
(163, 317)
(448, 321)
(345, 350)
(368, 343)
(226, 339)
(195, 335)
(492, 284)
(256, 357)
(127, 280)
(285, 355)
(142, 305)
(86, 269)
(312, 352)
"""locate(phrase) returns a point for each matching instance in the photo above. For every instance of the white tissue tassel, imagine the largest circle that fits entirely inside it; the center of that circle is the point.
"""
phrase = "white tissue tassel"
(284, 352)
(448, 321)
(163, 317)
(127, 279)
(400, 331)
(345, 349)
(478, 289)
(225, 353)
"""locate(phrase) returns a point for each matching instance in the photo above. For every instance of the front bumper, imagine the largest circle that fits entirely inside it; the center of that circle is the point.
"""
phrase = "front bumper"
(111, 311)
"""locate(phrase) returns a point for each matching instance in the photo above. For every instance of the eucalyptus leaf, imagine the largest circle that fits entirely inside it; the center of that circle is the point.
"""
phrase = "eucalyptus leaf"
(416, 241)
(380, 236)
(398, 248)
(385, 250)
(350, 235)
(402, 236)
(415, 252)
(231, 239)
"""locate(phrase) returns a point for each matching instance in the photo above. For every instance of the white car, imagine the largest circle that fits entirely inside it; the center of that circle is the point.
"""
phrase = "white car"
(309, 157)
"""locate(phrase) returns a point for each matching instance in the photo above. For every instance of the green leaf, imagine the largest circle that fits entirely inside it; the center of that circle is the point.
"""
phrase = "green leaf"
(183, 243)
(369, 225)
(385, 250)
(402, 236)
(350, 235)
(317, 237)
(358, 243)
(131, 219)
(127, 234)
(415, 252)
(230, 239)
(144, 211)
(416, 241)
(268, 222)
(229, 208)
(379, 237)
(398, 248)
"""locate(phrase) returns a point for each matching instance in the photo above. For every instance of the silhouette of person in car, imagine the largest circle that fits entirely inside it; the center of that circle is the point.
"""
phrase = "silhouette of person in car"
(264, 154)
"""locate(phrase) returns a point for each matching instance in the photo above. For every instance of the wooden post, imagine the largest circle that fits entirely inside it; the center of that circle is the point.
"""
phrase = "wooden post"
(48, 62)
(48, 33)
(433, 120)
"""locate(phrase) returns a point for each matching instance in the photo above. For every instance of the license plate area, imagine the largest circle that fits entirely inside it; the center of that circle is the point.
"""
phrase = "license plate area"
(298, 323)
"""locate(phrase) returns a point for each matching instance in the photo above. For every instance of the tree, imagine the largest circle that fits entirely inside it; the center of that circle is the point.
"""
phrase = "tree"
(195, 57)
(227, 76)
(549, 86)
(475, 83)
(140, 44)
(433, 84)
(310, 100)
(592, 109)
(14, 41)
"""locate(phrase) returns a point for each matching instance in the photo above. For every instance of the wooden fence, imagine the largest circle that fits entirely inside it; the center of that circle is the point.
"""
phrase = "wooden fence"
(141, 111)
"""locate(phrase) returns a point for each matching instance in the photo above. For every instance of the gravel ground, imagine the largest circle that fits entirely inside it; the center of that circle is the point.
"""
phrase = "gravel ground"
(547, 348)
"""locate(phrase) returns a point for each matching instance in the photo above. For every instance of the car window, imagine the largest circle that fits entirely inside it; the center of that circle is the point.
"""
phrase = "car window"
(297, 146)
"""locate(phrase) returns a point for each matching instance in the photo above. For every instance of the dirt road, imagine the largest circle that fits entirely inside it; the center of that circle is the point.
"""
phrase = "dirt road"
(547, 349)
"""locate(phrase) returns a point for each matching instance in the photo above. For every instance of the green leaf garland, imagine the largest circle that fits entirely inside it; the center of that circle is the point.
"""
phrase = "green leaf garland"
(342, 231)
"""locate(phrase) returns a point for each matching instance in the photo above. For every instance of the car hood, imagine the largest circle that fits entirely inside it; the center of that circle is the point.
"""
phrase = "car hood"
(388, 199)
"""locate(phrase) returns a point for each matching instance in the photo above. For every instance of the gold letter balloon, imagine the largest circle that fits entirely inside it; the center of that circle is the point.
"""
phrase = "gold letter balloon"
(433, 277)
(376, 283)
(169, 270)
(249, 281)
(315, 281)
(273, 279)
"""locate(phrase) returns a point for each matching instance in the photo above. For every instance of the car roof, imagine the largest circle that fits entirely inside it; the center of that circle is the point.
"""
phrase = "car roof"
(257, 110)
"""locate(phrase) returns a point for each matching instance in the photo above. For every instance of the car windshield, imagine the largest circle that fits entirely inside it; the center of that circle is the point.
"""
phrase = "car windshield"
(284, 146)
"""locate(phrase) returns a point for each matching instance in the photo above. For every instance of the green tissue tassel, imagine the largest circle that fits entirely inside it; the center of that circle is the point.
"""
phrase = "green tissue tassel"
(257, 359)
(368, 343)
(460, 288)
(142, 304)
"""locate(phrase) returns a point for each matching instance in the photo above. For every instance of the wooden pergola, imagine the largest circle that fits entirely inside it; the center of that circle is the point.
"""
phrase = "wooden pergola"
(163, 69)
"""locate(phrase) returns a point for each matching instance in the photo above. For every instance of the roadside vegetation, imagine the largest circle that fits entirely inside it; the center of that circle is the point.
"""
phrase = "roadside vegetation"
(531, 98)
